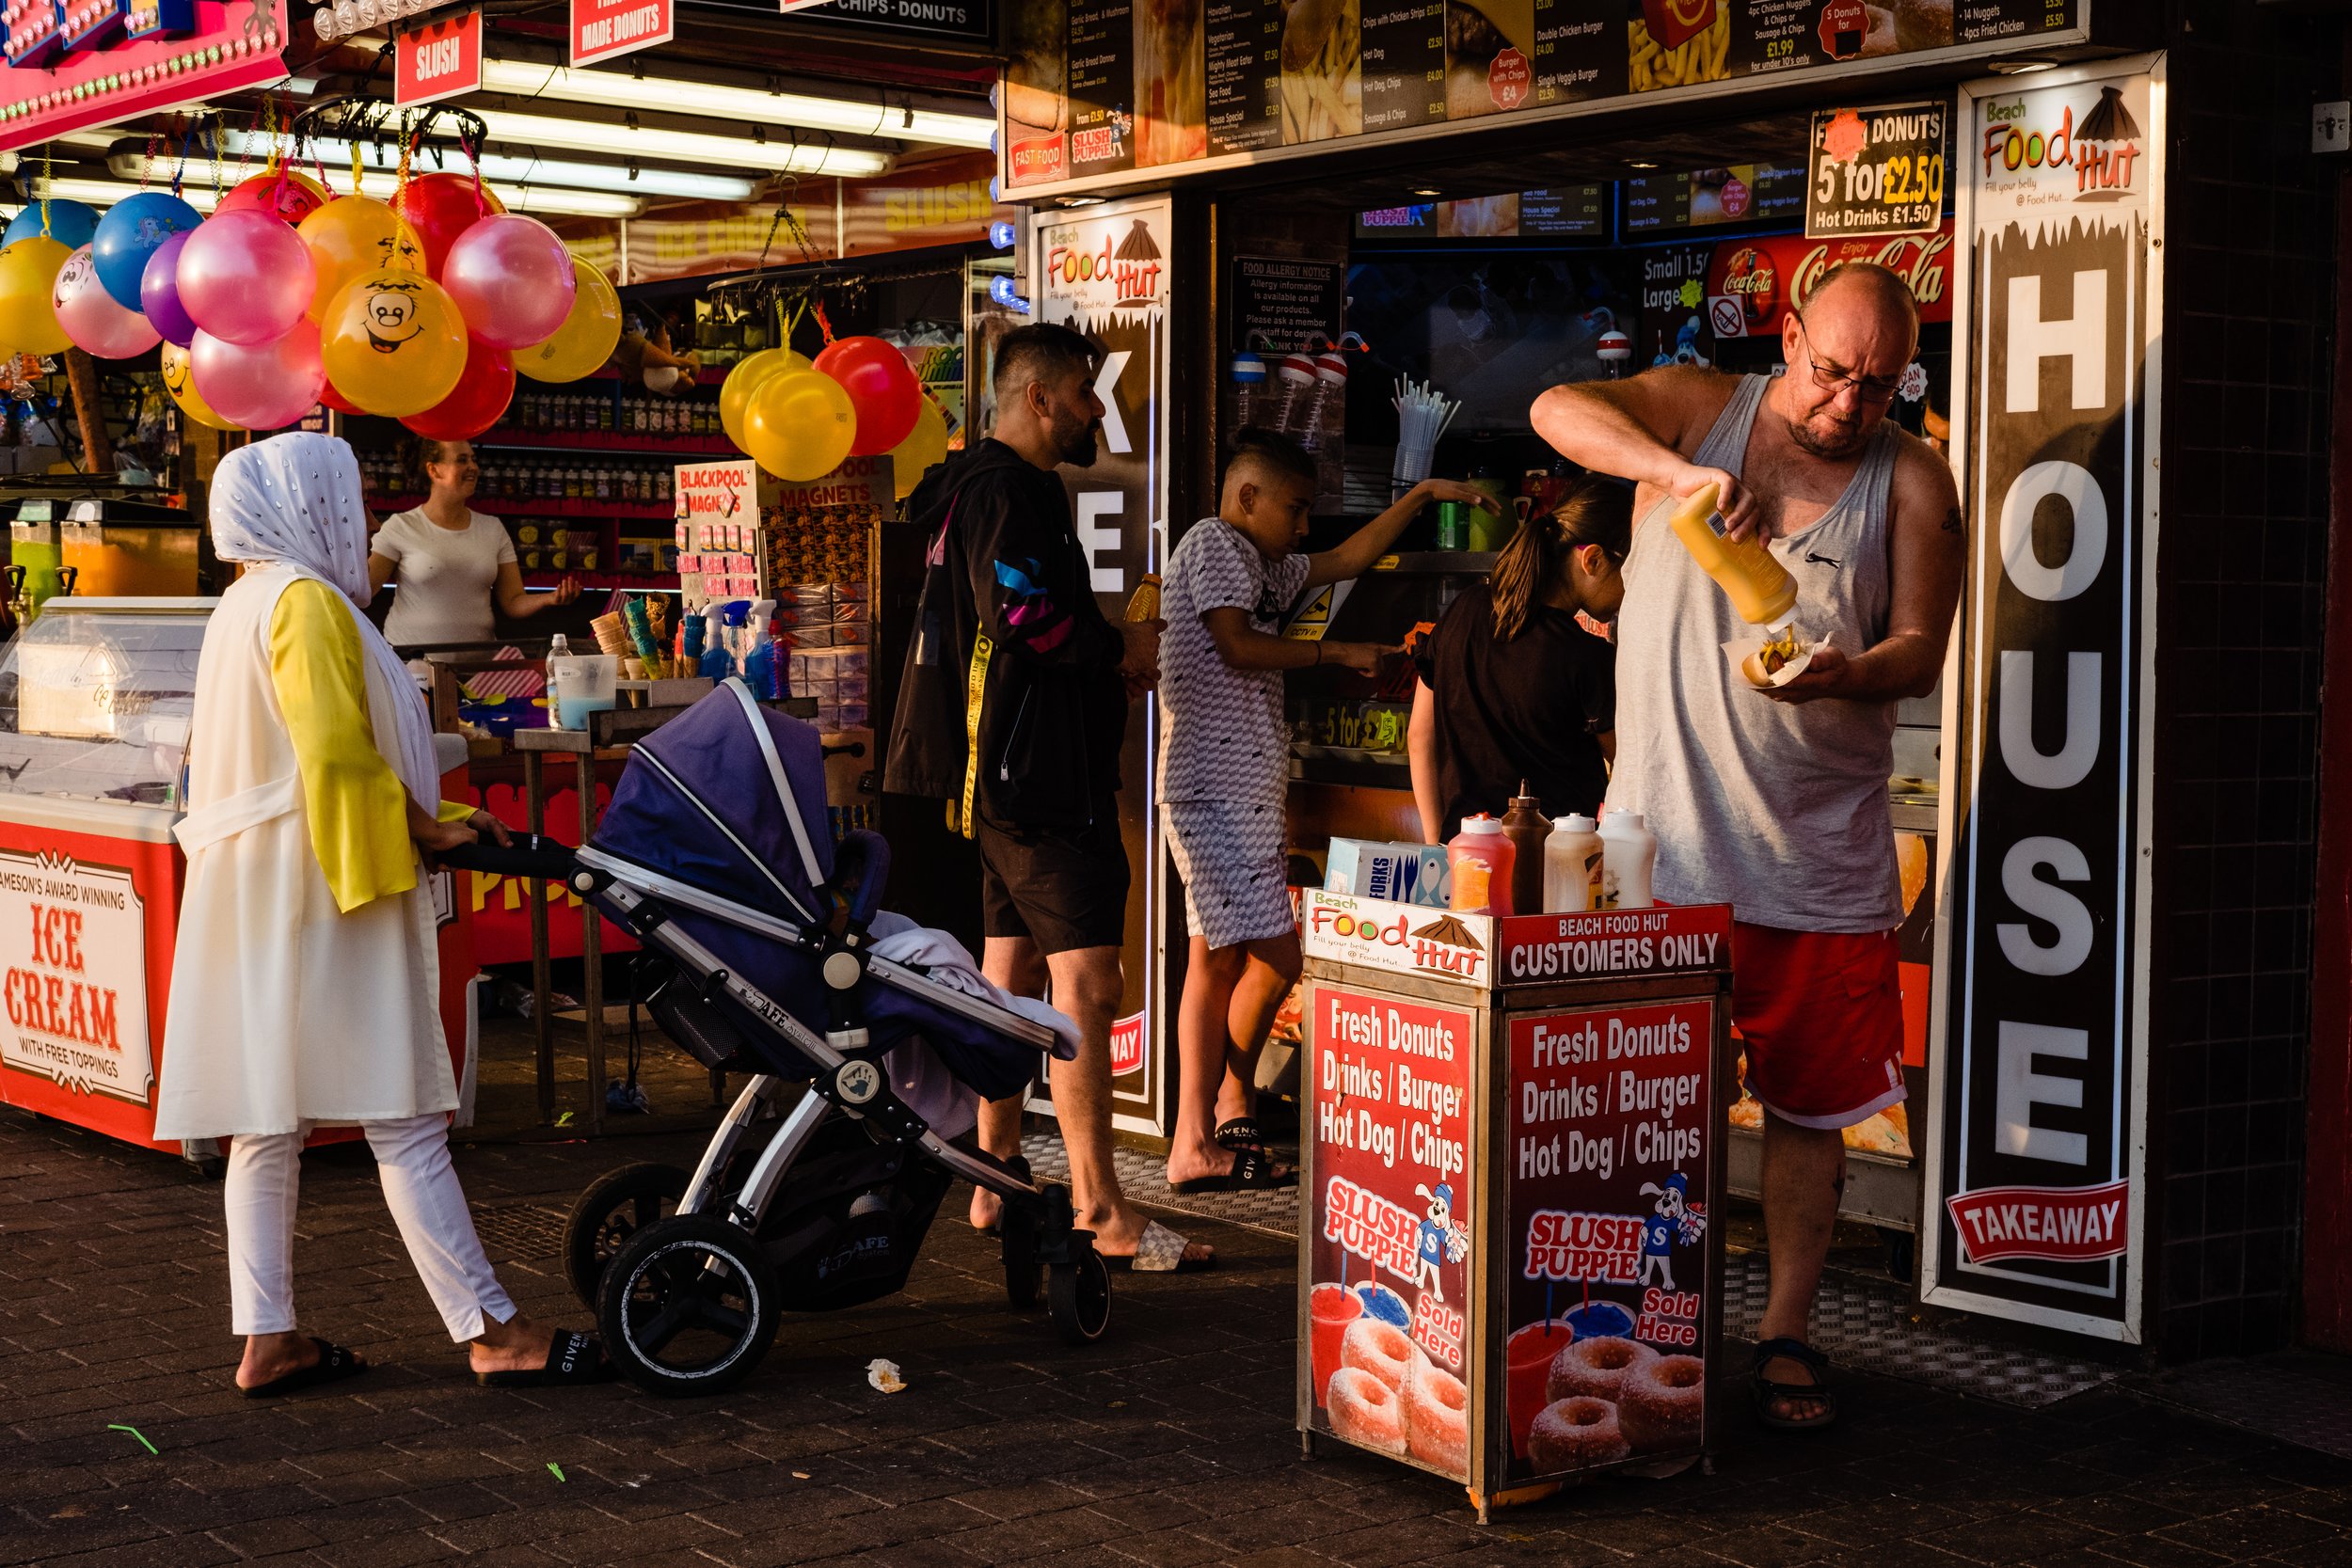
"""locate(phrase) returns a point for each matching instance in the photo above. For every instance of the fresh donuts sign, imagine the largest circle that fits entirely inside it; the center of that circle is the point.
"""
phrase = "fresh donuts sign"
(1386, 1245)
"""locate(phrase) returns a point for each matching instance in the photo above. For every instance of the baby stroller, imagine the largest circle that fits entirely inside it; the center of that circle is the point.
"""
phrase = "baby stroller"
(764, 934)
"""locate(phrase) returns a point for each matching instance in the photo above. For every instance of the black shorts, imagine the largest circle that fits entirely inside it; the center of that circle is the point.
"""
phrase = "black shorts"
(1062, 888)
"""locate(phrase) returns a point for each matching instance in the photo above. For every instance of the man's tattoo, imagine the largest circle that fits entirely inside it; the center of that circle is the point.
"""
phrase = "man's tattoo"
(1952, 521)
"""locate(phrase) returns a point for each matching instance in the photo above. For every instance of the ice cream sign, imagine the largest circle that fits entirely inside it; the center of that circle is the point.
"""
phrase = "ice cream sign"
(74, 985)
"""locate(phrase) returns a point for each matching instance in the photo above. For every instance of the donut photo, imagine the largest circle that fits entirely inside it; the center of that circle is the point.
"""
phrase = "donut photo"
(1381, 1348)
(1661, 1402)
(1365, 1410)
(1437, 1419)
(1575, 1435)
(1596, 1368)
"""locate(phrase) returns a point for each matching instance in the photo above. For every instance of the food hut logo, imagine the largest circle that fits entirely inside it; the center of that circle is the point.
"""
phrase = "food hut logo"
(1443, 946)
(2068, 1224)
(1120, 272)
(1582, 1248)
(2103, 152)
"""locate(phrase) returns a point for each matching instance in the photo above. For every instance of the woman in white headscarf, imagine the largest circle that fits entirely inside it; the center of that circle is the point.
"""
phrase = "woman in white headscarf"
(304, 986)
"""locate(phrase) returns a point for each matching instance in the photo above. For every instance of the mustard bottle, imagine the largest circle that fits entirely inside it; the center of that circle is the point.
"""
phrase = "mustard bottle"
(1760, 588)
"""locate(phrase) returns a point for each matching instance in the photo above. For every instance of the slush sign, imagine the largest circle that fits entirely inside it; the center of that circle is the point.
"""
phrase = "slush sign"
(2041, 1053)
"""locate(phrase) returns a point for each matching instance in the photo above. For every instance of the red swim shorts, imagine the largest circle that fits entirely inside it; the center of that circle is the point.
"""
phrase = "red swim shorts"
(1822, 1015)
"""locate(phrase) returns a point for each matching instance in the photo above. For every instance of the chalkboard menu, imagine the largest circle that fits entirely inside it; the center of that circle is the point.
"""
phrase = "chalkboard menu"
(1151, 86)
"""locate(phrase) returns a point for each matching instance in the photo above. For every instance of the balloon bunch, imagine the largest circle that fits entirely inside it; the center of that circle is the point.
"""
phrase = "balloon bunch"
(422, 308)
(799, 418)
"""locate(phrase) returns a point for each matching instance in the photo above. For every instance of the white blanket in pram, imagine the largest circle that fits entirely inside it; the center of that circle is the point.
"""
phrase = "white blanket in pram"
(917, 1075)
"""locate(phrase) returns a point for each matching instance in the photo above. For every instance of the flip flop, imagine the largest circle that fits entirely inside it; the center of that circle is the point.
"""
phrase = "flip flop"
(334, 1365)
(1158, 1250)
(572, 1358)
(1252, 1172)
(1239, 1132)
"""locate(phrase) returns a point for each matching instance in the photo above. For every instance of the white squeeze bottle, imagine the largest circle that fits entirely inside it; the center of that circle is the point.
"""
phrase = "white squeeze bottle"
(1628, 852)
(1572, 867)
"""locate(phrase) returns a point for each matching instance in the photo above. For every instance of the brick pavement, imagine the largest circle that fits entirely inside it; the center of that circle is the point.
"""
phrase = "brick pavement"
(1168, 1443)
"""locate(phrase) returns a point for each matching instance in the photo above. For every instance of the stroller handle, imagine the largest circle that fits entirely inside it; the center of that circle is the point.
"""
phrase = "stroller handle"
(532, 855)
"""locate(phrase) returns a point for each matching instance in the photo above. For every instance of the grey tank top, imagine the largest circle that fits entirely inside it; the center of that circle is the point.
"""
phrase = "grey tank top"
(1778, 809)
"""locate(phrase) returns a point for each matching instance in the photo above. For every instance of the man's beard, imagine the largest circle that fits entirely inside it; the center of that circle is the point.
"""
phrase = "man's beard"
(1851, 439)
(1075, 446)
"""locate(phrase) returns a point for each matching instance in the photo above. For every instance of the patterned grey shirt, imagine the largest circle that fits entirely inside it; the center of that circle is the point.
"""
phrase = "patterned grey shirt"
(1222, 736)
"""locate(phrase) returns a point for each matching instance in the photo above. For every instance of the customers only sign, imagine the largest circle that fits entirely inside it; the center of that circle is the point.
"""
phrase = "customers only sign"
(2036, 1158)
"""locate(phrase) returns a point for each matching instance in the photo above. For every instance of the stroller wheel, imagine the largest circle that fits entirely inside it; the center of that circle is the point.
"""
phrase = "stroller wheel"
(687, 1306)
(1080, 1297)
(615, 1207)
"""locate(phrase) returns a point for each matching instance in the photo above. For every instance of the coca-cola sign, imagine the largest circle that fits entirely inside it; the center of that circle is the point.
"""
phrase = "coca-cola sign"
(1769, 275)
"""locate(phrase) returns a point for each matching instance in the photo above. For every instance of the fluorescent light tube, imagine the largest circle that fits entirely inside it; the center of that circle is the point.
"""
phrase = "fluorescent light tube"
(382, 158)
(679, 147)
(522, 79)
(539, 200)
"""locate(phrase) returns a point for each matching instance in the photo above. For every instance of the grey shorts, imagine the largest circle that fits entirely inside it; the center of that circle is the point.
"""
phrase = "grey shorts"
(1236, 869)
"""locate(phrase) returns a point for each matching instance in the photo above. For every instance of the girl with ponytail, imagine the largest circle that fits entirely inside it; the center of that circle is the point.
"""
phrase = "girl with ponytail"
(1512, 686)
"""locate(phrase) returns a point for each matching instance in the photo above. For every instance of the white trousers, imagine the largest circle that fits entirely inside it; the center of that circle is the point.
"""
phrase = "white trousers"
(419, 1187)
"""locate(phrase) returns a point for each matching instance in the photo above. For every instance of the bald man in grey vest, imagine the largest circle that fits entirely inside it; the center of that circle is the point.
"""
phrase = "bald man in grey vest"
(1775, 801)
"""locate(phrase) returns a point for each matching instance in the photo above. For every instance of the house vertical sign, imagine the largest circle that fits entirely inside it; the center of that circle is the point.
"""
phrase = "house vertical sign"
(2036, 1153)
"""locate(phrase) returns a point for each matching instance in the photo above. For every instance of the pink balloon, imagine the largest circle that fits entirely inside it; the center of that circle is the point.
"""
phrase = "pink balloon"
(93, 317)
(512, 279)
(245, 277)
(265, 385)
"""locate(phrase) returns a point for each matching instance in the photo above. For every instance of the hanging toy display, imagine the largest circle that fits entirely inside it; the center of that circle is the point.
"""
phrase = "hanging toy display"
(260, 387)
(590, 332)
(245, 277)
(393, 343)
(881, 387)
(179, 382)
(129, 233)
(87, 313)
(736, 391)
(512, 279)
(72, 223)
(484, 386)
(352, 236)
(925, 447)
(439, 208)
(799, 425)
(159, 292)
(29, 276)
(288, 191)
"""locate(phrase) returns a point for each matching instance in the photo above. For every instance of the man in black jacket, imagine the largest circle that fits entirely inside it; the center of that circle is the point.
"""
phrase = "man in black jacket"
(1013, 710)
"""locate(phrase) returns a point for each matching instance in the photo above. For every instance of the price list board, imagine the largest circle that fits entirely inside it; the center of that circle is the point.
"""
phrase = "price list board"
(1101, 87)
(1403, 63)
(1245, 74)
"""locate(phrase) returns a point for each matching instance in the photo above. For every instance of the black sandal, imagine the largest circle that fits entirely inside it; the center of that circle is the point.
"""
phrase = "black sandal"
(1253, 1172)
(1237, 1133)
(572, 1358)
(1768, 1390)
(334, 1365)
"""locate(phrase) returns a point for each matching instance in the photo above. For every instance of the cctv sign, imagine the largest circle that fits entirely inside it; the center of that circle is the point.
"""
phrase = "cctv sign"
(602, 29)
(436, 60)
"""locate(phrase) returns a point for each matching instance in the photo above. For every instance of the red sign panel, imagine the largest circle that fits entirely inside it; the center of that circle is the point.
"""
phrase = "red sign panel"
(1667, 939)
(1612, 1134)
(602, 29)
(1764, 277)
(2067, 1225)
(440, 60)
(1390, 1248)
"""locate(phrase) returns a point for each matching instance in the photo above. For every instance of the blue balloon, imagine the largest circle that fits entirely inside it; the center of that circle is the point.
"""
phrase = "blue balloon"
(70, 224)
(129, 233)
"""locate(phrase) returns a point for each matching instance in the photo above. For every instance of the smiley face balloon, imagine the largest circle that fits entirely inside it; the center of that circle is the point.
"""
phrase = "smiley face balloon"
(180, 383)
(394, 342)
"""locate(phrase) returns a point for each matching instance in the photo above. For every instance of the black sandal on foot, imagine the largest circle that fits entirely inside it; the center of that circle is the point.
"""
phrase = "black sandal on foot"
(1254, 1171)
(334, 1365)
(1237, 1133)
(1768, 1390)
(572, 1358)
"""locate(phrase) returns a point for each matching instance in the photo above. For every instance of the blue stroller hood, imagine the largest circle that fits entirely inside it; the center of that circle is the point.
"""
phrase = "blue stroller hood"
(723, 798)
(721, 815)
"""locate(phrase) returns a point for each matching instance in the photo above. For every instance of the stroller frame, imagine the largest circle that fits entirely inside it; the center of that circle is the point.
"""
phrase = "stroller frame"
(644, 1271)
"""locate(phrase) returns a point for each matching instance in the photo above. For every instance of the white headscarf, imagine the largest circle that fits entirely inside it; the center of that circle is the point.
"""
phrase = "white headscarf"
(295, 499)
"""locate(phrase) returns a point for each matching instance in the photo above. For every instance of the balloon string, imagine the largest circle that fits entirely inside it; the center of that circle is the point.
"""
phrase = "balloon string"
(817, 309)
(358, 167)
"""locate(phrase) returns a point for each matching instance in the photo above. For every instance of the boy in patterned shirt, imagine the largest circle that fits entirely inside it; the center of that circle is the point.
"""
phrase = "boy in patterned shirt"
(1224, 767)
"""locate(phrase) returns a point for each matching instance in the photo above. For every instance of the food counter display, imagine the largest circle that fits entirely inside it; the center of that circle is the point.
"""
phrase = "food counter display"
(1511, 1151)
(96, 698)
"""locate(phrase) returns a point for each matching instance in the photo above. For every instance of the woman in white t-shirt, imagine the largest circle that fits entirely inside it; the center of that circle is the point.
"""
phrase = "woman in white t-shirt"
(455, 567)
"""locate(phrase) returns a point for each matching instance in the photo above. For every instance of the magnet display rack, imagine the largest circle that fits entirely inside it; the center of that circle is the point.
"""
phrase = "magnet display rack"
(545, 462)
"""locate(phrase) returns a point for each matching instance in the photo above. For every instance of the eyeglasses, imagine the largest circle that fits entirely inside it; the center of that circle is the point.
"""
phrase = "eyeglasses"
(1834, 378)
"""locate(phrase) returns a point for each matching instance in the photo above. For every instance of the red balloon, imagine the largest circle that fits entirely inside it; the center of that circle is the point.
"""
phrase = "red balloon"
(483, 391)
(296, 194)
(440, 207)
(336, 401)
(882, 387)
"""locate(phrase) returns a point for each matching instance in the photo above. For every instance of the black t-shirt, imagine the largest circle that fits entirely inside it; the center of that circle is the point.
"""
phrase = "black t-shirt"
(1528, 708)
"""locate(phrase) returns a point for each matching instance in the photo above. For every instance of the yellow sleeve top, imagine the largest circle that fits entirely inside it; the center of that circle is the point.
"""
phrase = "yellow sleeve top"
(359, 808)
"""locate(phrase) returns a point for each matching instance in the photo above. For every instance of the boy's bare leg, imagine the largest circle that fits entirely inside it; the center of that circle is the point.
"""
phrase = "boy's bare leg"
(1266, 980)
(1015, 964)
(1202, 1059)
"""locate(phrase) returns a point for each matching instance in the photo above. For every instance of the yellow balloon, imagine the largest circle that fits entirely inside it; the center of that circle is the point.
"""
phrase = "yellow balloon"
(925, 445)
(734, 393)
(181, 386)
(394, 342)
(28, 272)
(586, 338)
(352, 236)
(799, 425)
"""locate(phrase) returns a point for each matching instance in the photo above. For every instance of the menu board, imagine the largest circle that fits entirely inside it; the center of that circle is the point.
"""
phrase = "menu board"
(1244, 76)
(1391, 1261)
(1565, 213)
(1876, 171)
(1403, 69)
(1700, 198)
(1194, 80)
(1611, 1138)
(1560, 213)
